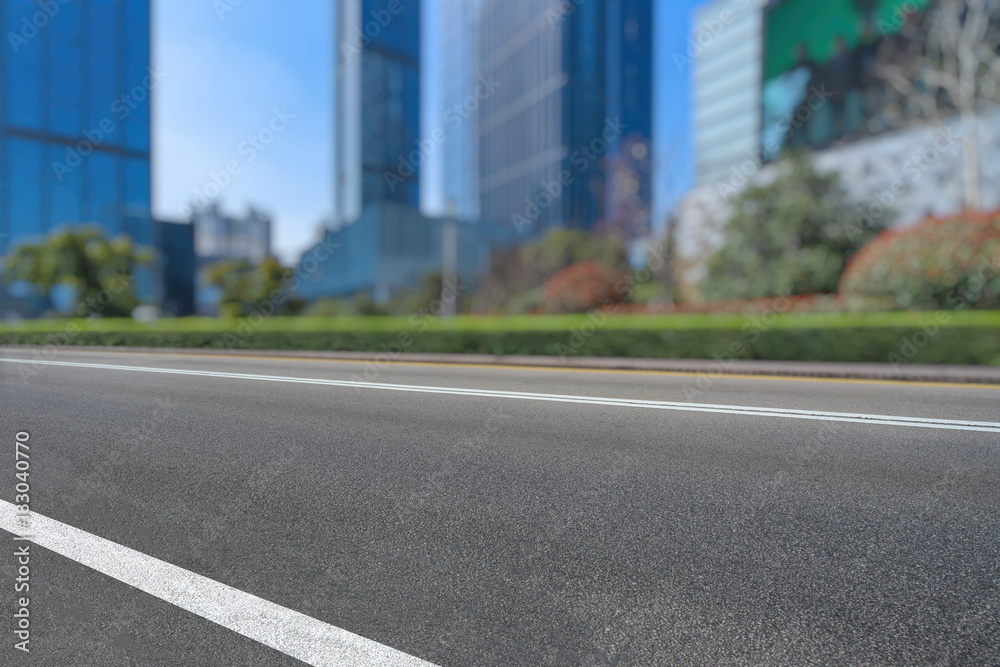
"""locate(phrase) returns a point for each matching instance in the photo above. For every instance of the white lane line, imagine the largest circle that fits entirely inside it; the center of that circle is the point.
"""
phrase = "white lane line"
(300, 636)
(858, 418)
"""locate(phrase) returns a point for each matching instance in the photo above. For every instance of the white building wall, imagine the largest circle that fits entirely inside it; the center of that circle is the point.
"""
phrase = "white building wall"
(913, 172)
(725, 45)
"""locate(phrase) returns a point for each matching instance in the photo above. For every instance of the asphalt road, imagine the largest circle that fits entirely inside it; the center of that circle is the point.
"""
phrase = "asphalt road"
(504, 516)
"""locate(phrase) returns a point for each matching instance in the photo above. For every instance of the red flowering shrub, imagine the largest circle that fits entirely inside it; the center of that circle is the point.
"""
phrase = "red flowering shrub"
(949, 262)
(580, 287)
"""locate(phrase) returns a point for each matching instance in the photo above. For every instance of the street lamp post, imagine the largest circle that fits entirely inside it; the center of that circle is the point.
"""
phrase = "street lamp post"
(449, 263)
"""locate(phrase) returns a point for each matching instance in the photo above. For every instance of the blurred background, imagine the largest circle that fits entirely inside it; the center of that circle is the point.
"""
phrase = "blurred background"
(177, 166)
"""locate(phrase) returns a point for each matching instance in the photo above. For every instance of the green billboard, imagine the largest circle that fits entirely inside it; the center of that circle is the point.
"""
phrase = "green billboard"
(820, 83)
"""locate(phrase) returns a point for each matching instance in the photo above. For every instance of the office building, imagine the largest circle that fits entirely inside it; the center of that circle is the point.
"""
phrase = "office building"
(392, 248)
(575, 87)
(74, 120)
(801, 74)
(458, 26)
(218, 235)
(177, 266)
(75, 88)
(723, 57)
(376, 105)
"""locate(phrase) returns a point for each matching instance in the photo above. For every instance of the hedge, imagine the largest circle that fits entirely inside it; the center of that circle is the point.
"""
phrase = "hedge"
(971, 337)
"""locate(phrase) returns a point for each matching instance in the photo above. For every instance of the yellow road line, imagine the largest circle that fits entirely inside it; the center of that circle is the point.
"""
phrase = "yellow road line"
(624, 371)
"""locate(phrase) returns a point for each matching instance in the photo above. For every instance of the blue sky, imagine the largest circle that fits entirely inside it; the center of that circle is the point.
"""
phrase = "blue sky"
(229, 72)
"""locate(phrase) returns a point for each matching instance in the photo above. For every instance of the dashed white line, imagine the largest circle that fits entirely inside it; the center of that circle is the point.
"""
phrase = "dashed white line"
(858, 418)
(307, 639)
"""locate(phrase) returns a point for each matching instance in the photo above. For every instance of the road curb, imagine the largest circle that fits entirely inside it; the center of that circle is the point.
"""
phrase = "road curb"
(709, 367)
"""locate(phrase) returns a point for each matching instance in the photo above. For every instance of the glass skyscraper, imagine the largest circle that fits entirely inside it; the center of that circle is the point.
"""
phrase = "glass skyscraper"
(376, 105)
(75, 119)
(572, 113)
(460, 186)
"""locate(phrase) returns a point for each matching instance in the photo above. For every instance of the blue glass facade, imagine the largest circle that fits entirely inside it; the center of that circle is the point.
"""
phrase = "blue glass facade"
(628, 190)
(175, 240)
(376, 105)
(521, 143)
(584, 110)
(576, 91)
(392, 247)
(75, 118)
(457, 40)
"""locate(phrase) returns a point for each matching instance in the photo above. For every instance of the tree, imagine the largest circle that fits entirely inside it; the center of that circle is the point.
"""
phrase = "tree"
(948, 62)
(661, 259)
(246, 287)
(517, 274)
(98, 269)
(790, 236)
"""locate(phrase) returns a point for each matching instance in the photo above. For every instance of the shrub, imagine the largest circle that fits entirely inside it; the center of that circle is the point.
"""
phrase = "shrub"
(578, 288)
(517, 275)
(788, 236)
(898, 337)
(948, 263)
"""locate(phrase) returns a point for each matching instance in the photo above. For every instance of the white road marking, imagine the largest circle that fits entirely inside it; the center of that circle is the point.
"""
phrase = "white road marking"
(300, 636)
(858, 418)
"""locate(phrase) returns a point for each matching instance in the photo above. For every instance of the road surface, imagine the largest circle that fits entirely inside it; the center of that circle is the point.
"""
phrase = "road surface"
(200, 510)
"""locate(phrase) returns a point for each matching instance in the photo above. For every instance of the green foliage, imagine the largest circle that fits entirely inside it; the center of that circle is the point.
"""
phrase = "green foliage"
(98, 269)
(948, 263)
(663, 286)
(245, 287)
(791, 236)
(425, 298)
(580, 287)
(517, 274)
(525, 323)
(969, 337)
(360, 304)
